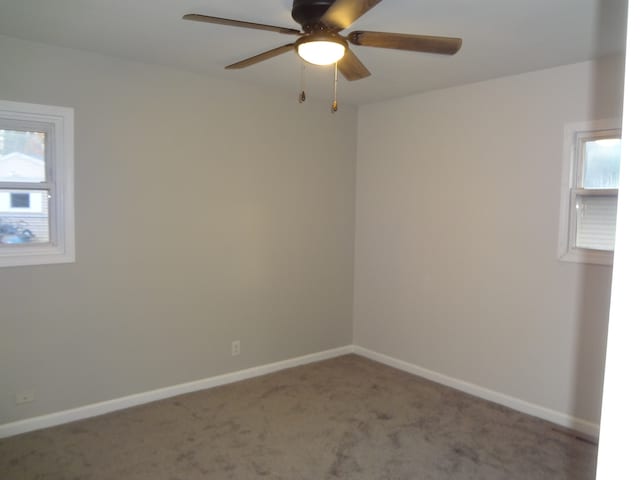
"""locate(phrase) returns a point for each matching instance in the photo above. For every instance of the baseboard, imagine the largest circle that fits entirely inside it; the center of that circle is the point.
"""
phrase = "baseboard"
(66, 416)
(583, 426)
(22, 426)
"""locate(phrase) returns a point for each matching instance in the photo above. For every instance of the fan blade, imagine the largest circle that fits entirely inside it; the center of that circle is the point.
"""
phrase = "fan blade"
(238, 23)
(261, 57)
(351, 67)
(343, 13)
(402, 41)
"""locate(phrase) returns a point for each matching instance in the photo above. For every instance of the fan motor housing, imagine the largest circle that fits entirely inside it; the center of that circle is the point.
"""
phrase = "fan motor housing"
(308, 12)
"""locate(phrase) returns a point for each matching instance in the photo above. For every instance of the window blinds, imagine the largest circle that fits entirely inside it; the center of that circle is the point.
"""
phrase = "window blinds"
(596, 221)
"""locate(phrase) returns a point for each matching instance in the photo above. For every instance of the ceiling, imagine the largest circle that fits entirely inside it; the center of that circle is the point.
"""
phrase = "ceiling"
(501, 37)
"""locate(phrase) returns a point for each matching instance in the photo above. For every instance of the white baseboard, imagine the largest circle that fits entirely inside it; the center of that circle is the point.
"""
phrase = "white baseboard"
(22, 426)
(66, 416)
(583, 426)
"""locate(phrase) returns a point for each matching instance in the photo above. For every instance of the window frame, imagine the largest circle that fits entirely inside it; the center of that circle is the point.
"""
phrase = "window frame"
(58, 125)
(575, 136)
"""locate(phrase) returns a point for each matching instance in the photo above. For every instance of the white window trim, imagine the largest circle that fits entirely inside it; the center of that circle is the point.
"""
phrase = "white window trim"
(566, 249)
(59, 123)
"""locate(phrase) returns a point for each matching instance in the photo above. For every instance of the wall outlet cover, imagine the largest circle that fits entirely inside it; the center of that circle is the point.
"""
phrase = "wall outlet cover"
(25, 397)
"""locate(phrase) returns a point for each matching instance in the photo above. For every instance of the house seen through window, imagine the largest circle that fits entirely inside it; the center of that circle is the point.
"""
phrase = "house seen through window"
(24, 213)
(20, 200)
(36, 184)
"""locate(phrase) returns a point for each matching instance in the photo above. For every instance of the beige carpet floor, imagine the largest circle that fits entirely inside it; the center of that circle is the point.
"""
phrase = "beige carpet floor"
(346, 418)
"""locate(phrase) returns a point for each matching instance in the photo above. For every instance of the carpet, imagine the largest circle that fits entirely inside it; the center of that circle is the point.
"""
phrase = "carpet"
(344, 418)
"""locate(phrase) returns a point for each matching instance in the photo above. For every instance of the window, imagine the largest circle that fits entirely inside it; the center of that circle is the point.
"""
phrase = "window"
(36, 184)
(590, 193)
(20, 200)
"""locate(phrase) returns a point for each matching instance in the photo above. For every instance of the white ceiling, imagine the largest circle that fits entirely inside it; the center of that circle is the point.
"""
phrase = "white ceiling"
(501, 37)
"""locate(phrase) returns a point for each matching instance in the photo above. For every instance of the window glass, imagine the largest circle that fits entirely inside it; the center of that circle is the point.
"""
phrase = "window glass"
(24, 214)
(601, 163)
(24, 217)
(22, 156)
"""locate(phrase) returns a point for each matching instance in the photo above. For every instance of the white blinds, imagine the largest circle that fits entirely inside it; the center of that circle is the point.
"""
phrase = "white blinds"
(596, 221)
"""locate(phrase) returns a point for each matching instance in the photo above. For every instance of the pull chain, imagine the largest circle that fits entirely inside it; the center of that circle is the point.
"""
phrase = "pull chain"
(302, 96)
(334, 105)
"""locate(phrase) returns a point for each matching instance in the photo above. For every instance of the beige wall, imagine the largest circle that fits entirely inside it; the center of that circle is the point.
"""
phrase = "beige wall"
(206, 212)
(457, 208)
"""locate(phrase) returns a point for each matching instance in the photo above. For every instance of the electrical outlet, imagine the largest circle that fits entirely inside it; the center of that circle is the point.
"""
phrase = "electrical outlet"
(235, 347)
(25, 397)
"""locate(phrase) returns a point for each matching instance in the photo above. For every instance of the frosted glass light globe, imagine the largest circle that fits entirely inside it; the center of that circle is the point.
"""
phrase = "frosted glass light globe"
(321, 52)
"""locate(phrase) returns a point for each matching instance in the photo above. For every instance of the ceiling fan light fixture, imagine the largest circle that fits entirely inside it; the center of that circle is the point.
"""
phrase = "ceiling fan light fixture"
(321, 49)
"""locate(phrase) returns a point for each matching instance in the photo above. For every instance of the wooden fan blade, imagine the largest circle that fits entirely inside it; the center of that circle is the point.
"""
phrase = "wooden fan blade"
(402, 41)
(351, 67)
(261, 57)
(344, 12)
(239, 23)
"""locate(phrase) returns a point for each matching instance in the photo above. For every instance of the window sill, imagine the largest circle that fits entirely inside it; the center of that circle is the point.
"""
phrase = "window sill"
(35, 255)
(593, 257)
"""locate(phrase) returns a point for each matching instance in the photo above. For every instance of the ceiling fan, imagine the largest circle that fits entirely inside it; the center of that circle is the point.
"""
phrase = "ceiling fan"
(320, 42)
